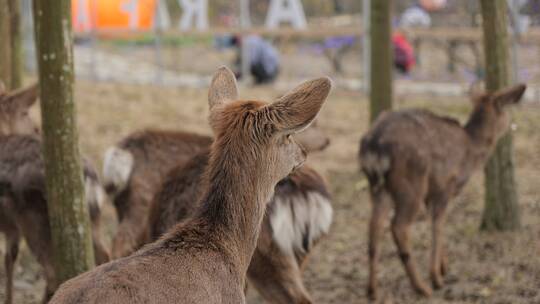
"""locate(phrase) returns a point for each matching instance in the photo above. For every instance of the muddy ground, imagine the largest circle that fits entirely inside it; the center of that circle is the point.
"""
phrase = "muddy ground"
(484, 267)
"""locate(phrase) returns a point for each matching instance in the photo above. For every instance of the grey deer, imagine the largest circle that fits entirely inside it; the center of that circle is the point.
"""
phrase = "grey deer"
(23, 206)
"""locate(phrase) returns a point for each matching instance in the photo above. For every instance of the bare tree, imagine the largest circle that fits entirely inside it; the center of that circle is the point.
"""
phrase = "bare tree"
(5, 50)
(15, 43)
(68, 216)
(501, 211)
(381, 57)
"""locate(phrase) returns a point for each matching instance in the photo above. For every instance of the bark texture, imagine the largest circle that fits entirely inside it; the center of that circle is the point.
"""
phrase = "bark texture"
(68, 215)
(381, 57)
(501, 211)
(15, 43)
(5, 49)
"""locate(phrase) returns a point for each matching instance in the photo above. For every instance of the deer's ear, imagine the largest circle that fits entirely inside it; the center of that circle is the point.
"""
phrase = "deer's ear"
(2, 87)
(509, 96)
(297, 109)
(223, 88)
(23, 98)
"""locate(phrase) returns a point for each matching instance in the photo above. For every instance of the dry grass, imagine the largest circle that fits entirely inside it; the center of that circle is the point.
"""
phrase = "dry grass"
(484, 267)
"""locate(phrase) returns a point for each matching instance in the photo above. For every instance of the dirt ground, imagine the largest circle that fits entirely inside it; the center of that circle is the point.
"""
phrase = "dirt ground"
(484, 267)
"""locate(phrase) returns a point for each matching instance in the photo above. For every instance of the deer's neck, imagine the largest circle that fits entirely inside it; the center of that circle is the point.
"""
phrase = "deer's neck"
(235, 202)
(482, 137)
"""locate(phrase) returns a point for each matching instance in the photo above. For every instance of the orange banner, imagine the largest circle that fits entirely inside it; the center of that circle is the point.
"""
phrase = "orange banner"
(113, 14)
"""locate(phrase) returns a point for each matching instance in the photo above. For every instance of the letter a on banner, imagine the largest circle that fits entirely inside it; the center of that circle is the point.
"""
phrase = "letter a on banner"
(194, 10)
(286, 11)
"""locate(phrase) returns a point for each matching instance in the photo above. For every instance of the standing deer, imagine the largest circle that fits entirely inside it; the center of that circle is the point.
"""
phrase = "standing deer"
(23, 206)
(298, 215)
(414, 157)
(205, 259)
(133, 171)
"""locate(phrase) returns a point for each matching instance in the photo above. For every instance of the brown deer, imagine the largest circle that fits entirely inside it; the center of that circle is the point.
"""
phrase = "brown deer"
(298, 215)
(205, 259)
(133, 171)
(23, 208)
(414, 157)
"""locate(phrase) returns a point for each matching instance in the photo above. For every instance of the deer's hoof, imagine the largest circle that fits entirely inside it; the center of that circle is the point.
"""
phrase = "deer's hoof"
(423, 290)
(444, 267)
(437, 281)
(372, 293)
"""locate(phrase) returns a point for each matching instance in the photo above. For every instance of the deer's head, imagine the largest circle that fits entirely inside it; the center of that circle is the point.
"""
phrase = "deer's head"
(490, 118)
(14, 107)
(260, 133)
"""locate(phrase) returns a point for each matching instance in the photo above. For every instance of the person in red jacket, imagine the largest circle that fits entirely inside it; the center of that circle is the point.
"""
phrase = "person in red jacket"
(404, 59)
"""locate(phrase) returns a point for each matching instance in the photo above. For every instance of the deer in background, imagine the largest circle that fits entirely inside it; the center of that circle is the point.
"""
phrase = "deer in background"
(298, 216)
(205, 259)
(414, 157)
(134, 169)
(23, 206)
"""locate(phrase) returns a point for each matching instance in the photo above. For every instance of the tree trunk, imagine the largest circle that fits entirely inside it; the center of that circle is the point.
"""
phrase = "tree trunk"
(15, 41)
(381, 57)
(5, 50)
(68, 215)
(501, 211)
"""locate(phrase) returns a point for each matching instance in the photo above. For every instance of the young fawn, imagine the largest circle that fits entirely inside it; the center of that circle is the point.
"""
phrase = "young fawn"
(23, 206)
(134, 168)
(298, 215)
(205, 259)
(414, 157)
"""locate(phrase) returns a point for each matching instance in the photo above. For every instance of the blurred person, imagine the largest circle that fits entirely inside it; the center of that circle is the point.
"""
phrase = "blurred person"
(263, 58)
(404, 58)
(415, 16)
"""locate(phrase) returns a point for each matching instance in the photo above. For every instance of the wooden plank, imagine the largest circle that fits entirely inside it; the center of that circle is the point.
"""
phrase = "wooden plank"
(437, 33)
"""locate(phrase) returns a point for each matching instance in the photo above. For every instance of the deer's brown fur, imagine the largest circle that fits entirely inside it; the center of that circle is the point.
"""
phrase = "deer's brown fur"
(205, 259)
(134, 170)
(298, 215)
(23, 206)
(415, 157)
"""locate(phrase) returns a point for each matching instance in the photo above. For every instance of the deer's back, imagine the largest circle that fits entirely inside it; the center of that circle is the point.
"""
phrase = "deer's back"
(158, 273)
(154, 154)
(160, 150)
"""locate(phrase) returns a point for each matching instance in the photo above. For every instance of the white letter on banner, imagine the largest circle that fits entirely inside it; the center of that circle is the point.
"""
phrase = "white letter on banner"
(194, 9)
(286, 10)
(132, 9)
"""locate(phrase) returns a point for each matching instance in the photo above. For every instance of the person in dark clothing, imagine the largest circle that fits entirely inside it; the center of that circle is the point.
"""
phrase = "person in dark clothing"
(263, 58)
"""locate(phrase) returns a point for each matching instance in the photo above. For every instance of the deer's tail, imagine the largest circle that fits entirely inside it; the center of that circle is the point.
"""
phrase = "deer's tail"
(117, 168)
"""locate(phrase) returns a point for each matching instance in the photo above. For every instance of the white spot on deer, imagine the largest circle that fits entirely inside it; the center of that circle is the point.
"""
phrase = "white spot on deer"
(117, 168)
(298, 221)
(94, 193)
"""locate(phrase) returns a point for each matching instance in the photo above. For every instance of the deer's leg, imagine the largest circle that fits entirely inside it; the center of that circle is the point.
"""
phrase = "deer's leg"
(380, 207)
(132, 227)
(51, 284)
(444, 260)
(12, 250)
(275, 274)
(437, 247)
(406, 210)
